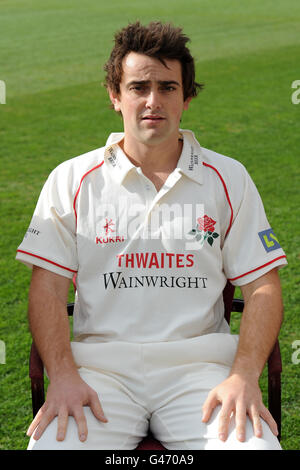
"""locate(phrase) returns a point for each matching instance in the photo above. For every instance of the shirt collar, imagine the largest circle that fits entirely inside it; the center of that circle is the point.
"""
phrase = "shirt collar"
(189, 163)
(191, 158)
(116, 159)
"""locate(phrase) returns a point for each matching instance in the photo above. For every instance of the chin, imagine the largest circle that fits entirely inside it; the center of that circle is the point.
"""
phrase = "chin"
(153, 136)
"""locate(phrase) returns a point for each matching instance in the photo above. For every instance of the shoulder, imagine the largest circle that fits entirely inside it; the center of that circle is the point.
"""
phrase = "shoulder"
(71, 172)
(226, 166)
(227, 173)
(81, 164)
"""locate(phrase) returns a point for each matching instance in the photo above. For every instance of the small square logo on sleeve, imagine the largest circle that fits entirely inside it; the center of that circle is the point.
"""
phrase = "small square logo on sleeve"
(269, 240)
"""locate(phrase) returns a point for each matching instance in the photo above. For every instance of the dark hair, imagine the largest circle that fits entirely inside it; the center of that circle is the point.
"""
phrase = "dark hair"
(158, 40)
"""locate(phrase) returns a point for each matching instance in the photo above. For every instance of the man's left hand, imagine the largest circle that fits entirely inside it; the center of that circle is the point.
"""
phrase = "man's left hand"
(242, 397)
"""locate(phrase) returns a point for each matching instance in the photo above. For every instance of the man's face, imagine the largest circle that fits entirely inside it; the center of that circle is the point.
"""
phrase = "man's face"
(150, 100)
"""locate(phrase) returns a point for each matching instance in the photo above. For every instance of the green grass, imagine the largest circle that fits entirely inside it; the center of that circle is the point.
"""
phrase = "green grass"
(52, 54)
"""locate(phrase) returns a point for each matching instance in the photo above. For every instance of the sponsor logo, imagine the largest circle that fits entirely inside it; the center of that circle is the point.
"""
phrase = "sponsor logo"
(112, 158)
(194, 160)
(108, 226)
(269, 240)
(32, 231)
(161, 261)
(205, 230)
(117, 280)
(155, 260)
(104, 240)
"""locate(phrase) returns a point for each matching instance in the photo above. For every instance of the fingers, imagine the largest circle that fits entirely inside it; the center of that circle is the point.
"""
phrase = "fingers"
(81, 422)
(62, 423)
(224, 420)
(268, 418)
(47, 413)
(35, 422)
(229, 407)
(209, 405)
(97, 408)
(240, 422)
(241, 414)
(256, 422)
(44, 418)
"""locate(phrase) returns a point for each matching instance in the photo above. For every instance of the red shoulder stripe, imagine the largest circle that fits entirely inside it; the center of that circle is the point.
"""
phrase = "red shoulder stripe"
(226, 193)
(79, 187)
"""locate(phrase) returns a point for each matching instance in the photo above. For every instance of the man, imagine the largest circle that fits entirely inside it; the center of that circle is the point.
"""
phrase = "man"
(152, 225)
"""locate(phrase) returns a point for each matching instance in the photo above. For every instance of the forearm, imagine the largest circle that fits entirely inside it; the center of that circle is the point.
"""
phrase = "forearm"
(260, 325)
(49, 322)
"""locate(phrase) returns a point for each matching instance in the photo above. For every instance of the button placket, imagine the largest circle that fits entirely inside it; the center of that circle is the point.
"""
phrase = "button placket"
(152, 203)
(150, 194)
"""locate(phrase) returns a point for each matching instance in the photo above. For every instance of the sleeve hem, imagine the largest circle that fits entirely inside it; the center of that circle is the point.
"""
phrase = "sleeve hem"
(259, 271)
(32, 259)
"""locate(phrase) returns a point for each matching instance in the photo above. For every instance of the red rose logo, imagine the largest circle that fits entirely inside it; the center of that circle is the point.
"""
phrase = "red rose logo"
(206, 224)
(205, 230)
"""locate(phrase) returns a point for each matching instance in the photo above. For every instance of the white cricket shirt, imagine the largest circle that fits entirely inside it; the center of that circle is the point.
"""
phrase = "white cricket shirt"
(150, 266)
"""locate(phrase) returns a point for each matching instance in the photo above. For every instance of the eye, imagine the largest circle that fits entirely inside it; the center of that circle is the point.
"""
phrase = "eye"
(138, 88)
(168, 88)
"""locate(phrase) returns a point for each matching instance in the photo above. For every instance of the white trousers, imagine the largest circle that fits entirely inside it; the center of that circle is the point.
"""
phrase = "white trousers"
(161, 385)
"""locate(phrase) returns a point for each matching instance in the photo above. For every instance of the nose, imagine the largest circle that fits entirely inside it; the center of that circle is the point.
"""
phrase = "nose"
(153, 100)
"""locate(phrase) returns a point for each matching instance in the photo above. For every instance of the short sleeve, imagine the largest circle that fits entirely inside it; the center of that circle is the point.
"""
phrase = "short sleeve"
(251, 247)
(50, 241)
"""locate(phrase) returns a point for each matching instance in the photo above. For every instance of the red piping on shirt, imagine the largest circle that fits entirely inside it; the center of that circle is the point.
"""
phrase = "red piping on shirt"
(226, 193)
(256, 269)
(79, 187)
(48, 261)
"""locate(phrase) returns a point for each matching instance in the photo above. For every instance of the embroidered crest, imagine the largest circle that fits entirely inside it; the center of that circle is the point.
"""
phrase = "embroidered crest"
(205, 230)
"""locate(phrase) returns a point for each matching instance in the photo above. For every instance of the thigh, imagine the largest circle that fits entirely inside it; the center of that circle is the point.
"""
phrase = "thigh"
(178, 424)
(127, 420)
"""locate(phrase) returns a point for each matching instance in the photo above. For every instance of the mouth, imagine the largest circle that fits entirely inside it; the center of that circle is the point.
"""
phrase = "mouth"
(153, 118)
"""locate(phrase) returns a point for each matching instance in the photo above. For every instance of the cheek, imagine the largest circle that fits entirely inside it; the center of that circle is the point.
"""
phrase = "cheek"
(131, 109)
(176, 113)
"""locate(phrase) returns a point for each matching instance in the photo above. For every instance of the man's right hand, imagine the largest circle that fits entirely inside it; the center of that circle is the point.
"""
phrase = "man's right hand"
(49, 325)
(66, 396)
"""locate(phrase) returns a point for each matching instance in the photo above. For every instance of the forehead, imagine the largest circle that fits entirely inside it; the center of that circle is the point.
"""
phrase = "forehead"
(141, 67)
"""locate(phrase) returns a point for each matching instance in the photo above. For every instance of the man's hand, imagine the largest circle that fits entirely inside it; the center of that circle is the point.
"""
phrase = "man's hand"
(240, 393)
(66, 397)
(242, 397)
(49, 325)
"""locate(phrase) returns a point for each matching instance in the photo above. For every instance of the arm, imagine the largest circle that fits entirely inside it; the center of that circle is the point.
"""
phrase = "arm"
(240, 392)
(49, 324)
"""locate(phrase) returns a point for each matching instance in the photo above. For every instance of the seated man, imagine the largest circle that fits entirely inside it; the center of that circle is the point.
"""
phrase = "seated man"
(152, 225)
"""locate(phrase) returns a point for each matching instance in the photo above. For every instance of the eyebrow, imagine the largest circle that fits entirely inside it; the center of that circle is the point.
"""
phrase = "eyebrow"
(147, 82)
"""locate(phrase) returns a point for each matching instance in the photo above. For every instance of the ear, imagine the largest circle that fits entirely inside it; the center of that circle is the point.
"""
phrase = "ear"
(186, 103)
(115, 100)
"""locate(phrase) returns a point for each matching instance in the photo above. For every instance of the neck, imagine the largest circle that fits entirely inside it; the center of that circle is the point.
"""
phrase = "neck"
(157, 162)
(153, 158)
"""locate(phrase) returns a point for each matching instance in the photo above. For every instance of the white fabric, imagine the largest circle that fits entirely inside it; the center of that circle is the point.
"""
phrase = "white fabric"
(145, 271)
(161, 384)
